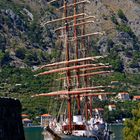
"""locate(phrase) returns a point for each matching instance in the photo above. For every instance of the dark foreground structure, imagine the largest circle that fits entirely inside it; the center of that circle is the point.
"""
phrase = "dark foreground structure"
(11, 127)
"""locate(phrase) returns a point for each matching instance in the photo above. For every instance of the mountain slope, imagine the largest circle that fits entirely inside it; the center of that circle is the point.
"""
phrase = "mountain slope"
(120, 21)
(24, 42)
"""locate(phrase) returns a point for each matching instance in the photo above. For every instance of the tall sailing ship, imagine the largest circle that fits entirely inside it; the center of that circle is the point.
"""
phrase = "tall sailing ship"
(76, 72)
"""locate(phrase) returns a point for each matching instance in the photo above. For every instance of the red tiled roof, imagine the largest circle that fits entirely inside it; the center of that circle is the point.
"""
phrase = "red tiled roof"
(24, 115)
(26, 119)
(100, 109)
(136, 97)
(123, 92)
(45, 115)
(112, 105)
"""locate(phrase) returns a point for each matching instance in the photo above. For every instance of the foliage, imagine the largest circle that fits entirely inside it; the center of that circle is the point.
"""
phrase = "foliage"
(114, 20)
(110, 43)
(123, 27)
(9, 5)
(115, 61)
(132, 130)
(6, 58)
(122, 15)
(20, 53)
(2, 41)
(35, 32)
(29, 83)
(21, 84)
(55, 54)
(123, 110)
(1, 57)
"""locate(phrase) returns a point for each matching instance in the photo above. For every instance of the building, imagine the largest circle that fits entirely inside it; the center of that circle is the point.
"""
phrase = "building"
(124, 96)
(99, 111)
(112, 107)
(102, 97)
(136, 98)
(26, 122)
(24, 115)
(115, 83)
(45, 118)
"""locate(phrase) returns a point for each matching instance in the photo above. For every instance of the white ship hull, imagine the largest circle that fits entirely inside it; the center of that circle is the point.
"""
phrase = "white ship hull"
(48, 136)
(51, 135)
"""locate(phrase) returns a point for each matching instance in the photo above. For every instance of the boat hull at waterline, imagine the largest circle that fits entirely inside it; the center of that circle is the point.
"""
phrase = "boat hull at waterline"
(51, 135)
(48, 136)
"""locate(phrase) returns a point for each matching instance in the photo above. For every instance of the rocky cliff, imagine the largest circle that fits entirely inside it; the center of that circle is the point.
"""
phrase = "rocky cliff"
(24, 42)
(120, 21)
(22, 39)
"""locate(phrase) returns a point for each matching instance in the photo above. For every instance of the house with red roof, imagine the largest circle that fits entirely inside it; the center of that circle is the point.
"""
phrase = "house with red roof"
(24, 115)
(136, 98)
(45, 118)
(27, 122)
(124, 96)
(98, 110)
(102, 97)
(111, 107)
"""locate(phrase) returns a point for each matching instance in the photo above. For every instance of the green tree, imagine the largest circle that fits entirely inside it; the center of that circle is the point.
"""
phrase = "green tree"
(125, 28)
(1, 56)
(20, 53)
(132, 130)
(114, 20)
(122, 15)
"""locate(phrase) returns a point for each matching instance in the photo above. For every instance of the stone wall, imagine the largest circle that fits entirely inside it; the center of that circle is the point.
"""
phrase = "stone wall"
(10, 120)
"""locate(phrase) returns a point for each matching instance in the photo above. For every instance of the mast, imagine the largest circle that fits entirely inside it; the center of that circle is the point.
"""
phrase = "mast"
(76, 57)
(67, 58)
(84, 55)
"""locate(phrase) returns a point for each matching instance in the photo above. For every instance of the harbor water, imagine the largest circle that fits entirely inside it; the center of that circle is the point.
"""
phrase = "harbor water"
(35, 133)
(117, 132)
